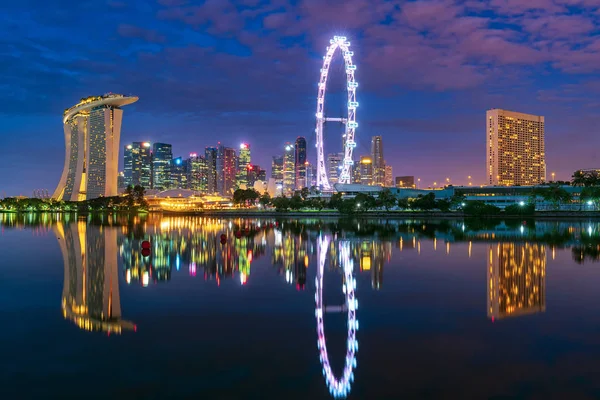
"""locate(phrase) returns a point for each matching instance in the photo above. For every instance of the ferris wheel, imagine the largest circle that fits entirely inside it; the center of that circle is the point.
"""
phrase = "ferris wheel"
(338, 387)
(350, 121)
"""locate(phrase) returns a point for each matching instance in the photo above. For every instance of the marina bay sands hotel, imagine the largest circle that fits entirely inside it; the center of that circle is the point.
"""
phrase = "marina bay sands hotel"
(92, 136)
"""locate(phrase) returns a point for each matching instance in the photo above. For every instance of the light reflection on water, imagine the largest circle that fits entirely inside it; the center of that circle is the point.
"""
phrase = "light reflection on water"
(102, 257)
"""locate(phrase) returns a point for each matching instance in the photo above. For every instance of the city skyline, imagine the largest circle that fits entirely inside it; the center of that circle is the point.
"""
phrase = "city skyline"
(428, 105)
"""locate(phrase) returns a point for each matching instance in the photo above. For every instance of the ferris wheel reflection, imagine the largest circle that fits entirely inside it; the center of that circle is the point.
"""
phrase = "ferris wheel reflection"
(338, 387)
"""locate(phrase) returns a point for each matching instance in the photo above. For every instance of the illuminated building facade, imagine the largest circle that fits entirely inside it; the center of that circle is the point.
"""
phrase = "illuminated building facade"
(378, 161)
(389, 176)
(197, 173)
(210, 155)
(255, 174)
(311, 175)
(243, 161)
(277, 169)
(300, 162)
(91, 283)
(162, 157)
(179, 174)
(226, 170)
(289, 175)
(137, 160)
(92, 130)
(515, 148)
(334, 166)
(366, 170)
(405, 181)
(516, 279)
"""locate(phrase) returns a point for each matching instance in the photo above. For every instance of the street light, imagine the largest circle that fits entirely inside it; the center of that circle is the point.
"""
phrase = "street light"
(553, 174)
(418, 182)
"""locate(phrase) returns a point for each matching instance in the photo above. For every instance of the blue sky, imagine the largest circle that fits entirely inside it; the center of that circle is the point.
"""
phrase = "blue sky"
(247, 70)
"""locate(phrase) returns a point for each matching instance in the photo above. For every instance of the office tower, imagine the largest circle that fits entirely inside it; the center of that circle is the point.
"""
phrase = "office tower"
(90, 295)
(334, 166)
(197, 173)
(121, 180)
(516, 281)
(243, 161)
(311, 175)
(179, 174)
(277, 169)
(378, 162)
(255, 174)
(137, 160)
(162, 157)
(355, 174)
(366, 170)
(389, 177)
(92, 130)
(405, 181)
(515, 148)
(288, 170)
(226, 170)
(300, 162)
(210, 155)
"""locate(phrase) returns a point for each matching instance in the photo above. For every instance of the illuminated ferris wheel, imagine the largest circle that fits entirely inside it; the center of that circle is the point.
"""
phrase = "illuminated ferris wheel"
(350, 122)
(338, 387)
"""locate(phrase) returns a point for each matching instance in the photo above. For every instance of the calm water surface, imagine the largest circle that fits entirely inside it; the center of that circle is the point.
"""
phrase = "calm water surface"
(309, 309)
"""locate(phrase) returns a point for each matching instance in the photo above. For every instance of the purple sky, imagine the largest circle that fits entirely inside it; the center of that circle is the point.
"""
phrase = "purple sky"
(247, 71)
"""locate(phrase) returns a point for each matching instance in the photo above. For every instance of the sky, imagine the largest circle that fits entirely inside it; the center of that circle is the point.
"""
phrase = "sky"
(247, 71)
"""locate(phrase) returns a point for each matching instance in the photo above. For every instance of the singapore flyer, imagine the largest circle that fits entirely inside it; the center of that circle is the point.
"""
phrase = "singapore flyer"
(350, 122)
(338, 387)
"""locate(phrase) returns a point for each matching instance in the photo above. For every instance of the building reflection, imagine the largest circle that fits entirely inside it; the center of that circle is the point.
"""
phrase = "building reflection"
(516, 279)
(91, 283)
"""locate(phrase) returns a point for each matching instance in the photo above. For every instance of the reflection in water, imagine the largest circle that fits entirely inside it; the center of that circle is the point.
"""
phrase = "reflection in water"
(516, 279)
(338, 387)
(91, 285)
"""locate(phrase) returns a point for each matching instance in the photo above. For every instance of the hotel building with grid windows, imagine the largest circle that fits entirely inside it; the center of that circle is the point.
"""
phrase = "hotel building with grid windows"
(515, 148)
(92, 133)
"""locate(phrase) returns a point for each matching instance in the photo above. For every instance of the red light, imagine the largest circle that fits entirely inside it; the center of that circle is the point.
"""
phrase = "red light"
(250, 166)
(492, 318)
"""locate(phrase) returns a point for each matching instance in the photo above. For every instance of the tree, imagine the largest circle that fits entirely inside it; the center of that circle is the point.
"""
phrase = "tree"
(296, 202)
(304, 192)
(265, 200)
(553, 194)
(387, 199)
(281, 204)
(365, 202)
(591, 194)
(585, 178)
(335, 201)
(425, 203)
(443, 204)
(130, 196)
(239, 196)
(480, 209)
(138, 194)
(517, 209)
(318, 203)
(403, 204)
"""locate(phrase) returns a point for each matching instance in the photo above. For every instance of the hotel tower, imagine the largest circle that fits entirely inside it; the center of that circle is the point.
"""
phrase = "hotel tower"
(92, 133)
(515, 148)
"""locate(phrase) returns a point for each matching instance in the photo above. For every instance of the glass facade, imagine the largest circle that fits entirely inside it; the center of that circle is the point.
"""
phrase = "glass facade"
(300, 162)
(138, 164)
(162, 155)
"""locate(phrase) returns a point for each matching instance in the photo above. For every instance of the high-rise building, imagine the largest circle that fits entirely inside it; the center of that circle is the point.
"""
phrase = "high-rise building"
(179, 174)
(366, 170)
(277, 169)
(334, 165)
(210, 155)
(162, 157)
(243, 161)
(255, 173)
(389, 176)
(378, 161)
(137, 159)
(515, 148)
(92, 130)
(300, 162)
(405, 181)
(226, 170)
(288, 170)
(197, 173)
(516, 281)
(121, 180)
(311, 175)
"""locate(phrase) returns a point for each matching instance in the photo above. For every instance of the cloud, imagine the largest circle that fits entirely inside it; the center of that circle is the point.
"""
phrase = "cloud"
(135, 32)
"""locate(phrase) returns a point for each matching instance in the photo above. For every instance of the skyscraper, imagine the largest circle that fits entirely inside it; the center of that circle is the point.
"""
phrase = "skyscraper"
(389, 176)
(197, 173)
(162, 156)
(226, 170)
(277, 169)
(300, 162)
(138, 164)
(243, 161)
(334, 164)
(366, 170)
(378, 161)
(288, 170)
(311, 175)
(210, 154)
(515, 148)
(92, 130)
(179, 174)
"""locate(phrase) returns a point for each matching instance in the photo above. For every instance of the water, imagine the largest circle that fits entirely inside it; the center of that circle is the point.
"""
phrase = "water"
(446, 309)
